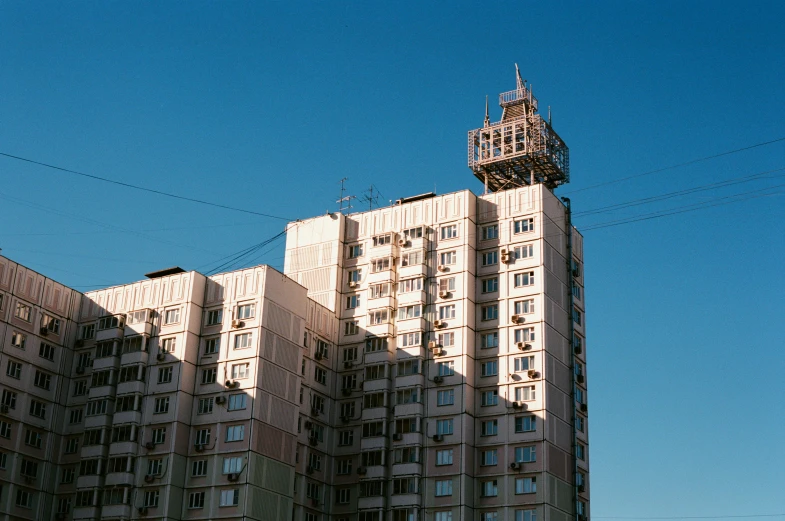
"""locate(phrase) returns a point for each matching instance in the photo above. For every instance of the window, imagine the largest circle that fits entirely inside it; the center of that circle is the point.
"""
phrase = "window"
(164, 375)
(447, 284)
(38, 409)
(33, 438)
(243, 340)
(123, 433)
(490, 232)
(413, 233)
(490, 368)
(353, 301)
(526, 485)
(444, 487)
(378, 265)
(355, 251)
(203, 437)
(104, 350)
(447, 312)
(133, 344)
(490, 427)
(46, 351)
(524, 307)
(379, 316)
(71, 446)
(312, 490)
(75, 416)
(579, 395)
(199, 468)
(344, 466)
(235, 432)
(448, 232)
(375, 372)
(408, 367)
(209, 375)
(406, 455)
(348, 408)
(445, 397)
(580, 451)
(372, 458)
(524, 279)
(372, 429)
(576, 291)
(579, 422)
(150, 499)
(161, 405)
(212, 345)
(9, 399)
(320, 375)
(490, 312)
(448, 258)
(246, 311)
(24, 498)
(413, 311)
(87, 332)
(490, 285)
(375, 344)
(490, 398)
(67, 476)
(490, 457)
(5, 430)
(523, 363)
(446, 339)
(489, 258)
(444, 426)
(410, 395)
(348, 381)
(93, 437)
(233, 465)
(22, 312)
(490, 488)
(408, 285)
(404, 486)
(110, 322)
(525, 334)
(196, 500)
(168, 345)
(155, 466)
(443, 516)
(159, 435)
(237, 401)
(355, 276)
(444, 457)
(445, 368)
(240, 371)
(214, 316)
(523, 225)
(172, 316)
(14, 369)
(18, 340)
(523, 252)
(51, 324)
(349, 354)
(489, 516)
(410, 339)
(345, 438)
(525, 515)
(526, 393)
(322, 349)
(489, 340)
(577, 316)
(525, 424)
(525, 454)
(205, 406)
(351, 327)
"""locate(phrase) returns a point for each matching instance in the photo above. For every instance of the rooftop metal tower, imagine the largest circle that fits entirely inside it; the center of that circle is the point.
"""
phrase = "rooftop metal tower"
(522, 148)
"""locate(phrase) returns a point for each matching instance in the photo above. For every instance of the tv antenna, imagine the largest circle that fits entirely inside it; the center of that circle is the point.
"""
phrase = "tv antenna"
(372, 197)
(344, 198)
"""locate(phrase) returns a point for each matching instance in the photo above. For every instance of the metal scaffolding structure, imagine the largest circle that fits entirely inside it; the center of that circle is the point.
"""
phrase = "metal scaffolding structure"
(521, 149)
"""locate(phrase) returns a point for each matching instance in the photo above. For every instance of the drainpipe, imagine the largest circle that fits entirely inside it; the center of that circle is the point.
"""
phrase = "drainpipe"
(570, 278)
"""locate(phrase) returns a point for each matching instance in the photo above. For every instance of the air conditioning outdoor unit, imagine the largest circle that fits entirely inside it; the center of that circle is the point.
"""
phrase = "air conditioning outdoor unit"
(346, 391)
(438, 323)
(3, 409)
(80, 370)
(317, 356)
(231, 384)
(143, 511)
(345, 419)
(438, 437)
(348, 365)
(79, 343)
(44, 330)
(437, 351)
(438, 379)
(504, 251)
(532, 373)
(199, 447)
(432, 344)
(444, 294)
(581, 487)
(579, 378)
(220, 399)
(234, 476)
(362, 471)
(515, 319)
(149, 478)
(308, 425)
(505, 257)
(315, 502)
(576, 270)
(441, 267)
(397, 436)
(314, 411)
(523, 346)
(584, 407)
(578, 350)
(519, 405)
(402, 242)
(309, 469)
(352, 284)
(237, 323)
(161, 356)
(149, 445)
(515, 465)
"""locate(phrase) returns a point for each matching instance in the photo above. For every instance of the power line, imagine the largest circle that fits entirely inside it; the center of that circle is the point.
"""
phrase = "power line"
(690, 162)
(144, 189)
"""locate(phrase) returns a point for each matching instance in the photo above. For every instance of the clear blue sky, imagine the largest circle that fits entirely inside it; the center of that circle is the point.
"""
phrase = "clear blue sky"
(266, 106)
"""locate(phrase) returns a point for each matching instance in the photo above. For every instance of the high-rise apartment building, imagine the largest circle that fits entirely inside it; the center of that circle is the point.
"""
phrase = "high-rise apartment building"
(420, 362)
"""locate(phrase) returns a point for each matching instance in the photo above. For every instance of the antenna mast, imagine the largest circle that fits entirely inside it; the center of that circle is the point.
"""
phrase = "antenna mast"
(372, 199)
(344, 199)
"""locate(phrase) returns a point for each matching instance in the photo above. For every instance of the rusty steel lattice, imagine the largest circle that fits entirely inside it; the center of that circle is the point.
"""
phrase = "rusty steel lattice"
(521, 149)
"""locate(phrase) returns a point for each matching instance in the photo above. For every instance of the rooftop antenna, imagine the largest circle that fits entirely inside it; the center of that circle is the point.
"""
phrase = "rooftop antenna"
(372, 199)
(549, 115)
(520, 82)
(487, 118)
(344, 199)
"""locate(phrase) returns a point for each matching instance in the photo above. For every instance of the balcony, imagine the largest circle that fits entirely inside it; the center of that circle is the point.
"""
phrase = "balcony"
(113, 333)
(106, 362)
(116, 512)
(135, 357)
(101, 420)
(412, 271)
(374, 443)
(94, 451)
(92, 481)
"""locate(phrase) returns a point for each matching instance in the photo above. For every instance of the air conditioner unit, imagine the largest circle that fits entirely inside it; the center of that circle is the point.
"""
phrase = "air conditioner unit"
(4, 409)
(28, 479)
(149, 445)
(79, 343)
(581, 487)
(519, 405)
(308, 425)
(317, 356)
(576, 270)
(346, 392)
(515, 465)
(199, 447)
(523, 346)
(402, 242)
(352, 284)
(441, 267)
(362, 471)
(149, 478)
(220, 399)
(161, 356)
(504, 251)
(578, 350)
(44, 330)
(505, 258)
(309, 469)
(80, 370)
(438, 379)
(348, 365)
(438, 323)
(438, 437)
(579, 378)
(432, 344)
(581, 518)
(444, 294)
(437, 351)
(397, 436)
(314, 411)
(234, 476)
(515, 319)
(584, 407)
(345, 419)
(237, 323)
(143, 511)
(315, 502)
(231, 384)
(532, 373)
